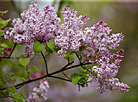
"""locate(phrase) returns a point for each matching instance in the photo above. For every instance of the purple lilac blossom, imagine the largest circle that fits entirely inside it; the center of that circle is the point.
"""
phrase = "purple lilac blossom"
(34, 27)
(70, 34)
(39, 94)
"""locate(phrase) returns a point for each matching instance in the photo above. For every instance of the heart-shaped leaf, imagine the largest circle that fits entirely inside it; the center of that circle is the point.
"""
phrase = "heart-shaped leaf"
(51, 45)
(24, 62)
(38, 47)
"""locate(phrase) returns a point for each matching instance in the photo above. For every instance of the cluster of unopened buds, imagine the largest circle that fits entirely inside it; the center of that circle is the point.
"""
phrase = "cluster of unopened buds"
(70, 35)
(5, 52)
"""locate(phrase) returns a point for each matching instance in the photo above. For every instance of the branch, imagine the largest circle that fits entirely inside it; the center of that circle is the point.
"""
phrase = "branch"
(65, 79)
(12, 50)
(60, 78)
(65, 75)
(48, 75)
(45, 62)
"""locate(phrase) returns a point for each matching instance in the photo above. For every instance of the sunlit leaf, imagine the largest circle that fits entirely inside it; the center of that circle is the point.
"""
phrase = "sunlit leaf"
(51, 45)
(24, 62)
(35, 68)
(22, 78)
(24, 97)
(38, 47)
(71, 58)
(76, 79)
(4, 45)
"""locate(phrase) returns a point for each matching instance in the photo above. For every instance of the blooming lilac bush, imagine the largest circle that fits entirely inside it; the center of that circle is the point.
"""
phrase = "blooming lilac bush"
(91, 46)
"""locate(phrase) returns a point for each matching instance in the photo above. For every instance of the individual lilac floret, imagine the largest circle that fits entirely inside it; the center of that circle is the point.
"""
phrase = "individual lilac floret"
(34, 26)
(39, 94)
(70, 34)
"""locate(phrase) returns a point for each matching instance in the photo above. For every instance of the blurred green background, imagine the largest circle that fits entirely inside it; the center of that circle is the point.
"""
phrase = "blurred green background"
(120, 16)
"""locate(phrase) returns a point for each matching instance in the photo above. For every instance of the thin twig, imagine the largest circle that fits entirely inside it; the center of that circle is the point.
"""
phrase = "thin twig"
(12, 50)
(79, 58)
(65, 75)
(67, 65)
(8, 57)
(27, 73)
(60, 78)
(45, 62)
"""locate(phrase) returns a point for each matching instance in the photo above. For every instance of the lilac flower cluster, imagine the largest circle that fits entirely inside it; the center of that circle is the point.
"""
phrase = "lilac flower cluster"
(99, 41)
(70, 34)
(106, 72)
(39, 94)
(34, 26)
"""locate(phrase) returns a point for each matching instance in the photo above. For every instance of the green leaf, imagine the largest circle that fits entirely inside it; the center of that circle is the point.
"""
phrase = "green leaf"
(1, 32)
(18, 66)
(94, 74)
(4, 45)
(2, 74)
(11, 90)
(22, 78)
(78, 53)
(57, 49)
(73, 76)
(5, 93)
(21, 56)
(4, 23)
(13, 79)
(51, 45)
(35, 68)
(71, 58)
(69, 53)
(2, 86)
(11, 74)
(24, 97)
(24, 62)
(38, 47)
(3, 11)
(48, 49)
(89, 66)
(82, 47)
(16, 97)
(79, 73)
(83, 81)
(1, 51)
(76, 79)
